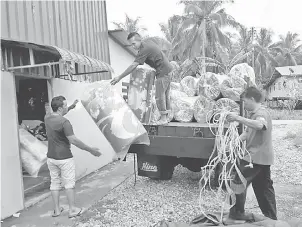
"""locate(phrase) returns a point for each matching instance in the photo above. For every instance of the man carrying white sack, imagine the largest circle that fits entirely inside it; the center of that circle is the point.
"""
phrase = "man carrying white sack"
(258, 137)
(60, 160)
(151, 54)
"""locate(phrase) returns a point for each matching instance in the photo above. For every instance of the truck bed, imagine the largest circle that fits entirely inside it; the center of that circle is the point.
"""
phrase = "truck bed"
(185, 130)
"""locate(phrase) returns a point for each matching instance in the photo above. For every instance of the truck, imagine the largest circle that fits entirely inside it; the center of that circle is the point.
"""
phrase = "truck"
(189, 144)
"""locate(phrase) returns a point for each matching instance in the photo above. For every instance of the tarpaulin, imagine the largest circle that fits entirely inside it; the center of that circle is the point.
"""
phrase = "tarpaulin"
(140, 93)
(114, 117)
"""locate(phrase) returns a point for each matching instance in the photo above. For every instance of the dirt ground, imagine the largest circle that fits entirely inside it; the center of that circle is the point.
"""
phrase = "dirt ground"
(149, 201)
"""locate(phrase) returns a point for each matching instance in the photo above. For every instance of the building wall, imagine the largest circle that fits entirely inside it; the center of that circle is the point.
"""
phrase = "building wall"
(277, 89)
(120, 59)
(79, 26)
(11, 174)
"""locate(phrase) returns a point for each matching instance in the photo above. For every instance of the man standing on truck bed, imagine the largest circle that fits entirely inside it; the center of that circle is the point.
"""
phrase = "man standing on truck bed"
(150, 53)
(258, 137)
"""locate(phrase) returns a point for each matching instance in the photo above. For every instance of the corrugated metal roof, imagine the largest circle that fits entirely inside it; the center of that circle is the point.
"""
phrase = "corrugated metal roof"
(290, 70)
(120, 36)
(79, 26)
(65, 55)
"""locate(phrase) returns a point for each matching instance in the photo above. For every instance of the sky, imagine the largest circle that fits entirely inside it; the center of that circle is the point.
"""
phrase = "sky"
(279, 15)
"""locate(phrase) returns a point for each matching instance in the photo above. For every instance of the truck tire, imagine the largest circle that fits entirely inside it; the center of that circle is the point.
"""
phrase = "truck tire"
(166, 168)
(193, 164)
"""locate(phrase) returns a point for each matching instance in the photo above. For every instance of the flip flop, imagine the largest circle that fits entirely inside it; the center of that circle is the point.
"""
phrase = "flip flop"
(57, 215)
(77, 214)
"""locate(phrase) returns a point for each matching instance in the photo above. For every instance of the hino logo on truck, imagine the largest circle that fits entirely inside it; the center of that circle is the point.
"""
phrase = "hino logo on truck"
(150, 168)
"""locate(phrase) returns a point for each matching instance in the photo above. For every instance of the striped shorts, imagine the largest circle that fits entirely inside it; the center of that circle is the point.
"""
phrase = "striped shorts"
(61, 172)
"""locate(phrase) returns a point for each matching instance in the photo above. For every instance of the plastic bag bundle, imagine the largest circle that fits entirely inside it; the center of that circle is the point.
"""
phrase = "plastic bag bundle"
(33, 145)
(203, 109)
(175, 94)
(139, 93)
(233, 87)
(114, 117)
(183, 108)
(31, 165)
(189, 85)
(227, 104)
(175, 86)
(209, 86)
(243, 71)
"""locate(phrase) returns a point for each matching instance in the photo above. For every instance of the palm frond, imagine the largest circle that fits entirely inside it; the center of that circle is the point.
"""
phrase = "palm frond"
(194, 9)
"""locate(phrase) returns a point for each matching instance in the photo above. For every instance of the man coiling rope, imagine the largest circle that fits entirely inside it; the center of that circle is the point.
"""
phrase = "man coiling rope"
(251, 162)
(228, 150)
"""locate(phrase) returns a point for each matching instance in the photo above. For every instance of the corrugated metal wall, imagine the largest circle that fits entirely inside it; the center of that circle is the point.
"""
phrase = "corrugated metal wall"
(80, 26)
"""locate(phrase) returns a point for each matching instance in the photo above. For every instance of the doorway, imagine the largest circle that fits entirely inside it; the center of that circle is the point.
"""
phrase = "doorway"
(32, 97)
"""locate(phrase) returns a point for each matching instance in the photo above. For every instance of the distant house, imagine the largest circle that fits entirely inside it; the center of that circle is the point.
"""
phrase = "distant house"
(285, 83)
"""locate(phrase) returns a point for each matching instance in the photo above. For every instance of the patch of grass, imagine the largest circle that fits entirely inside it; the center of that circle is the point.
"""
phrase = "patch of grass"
(283, 114)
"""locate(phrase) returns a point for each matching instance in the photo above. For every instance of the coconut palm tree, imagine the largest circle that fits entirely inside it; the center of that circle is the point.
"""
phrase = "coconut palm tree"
(131, 25)
(201, 30)
(288, 51)
(169, 31)
(264, 59)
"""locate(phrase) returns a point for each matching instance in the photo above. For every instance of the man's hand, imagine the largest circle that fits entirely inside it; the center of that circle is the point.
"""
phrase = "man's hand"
(115, 80)
(73, 105)
(232, 117)
(95, 151)
(75, 102)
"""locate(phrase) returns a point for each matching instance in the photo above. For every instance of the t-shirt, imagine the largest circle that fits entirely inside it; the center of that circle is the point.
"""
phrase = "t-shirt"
(57, 129)
(152, 55)
(259, 142)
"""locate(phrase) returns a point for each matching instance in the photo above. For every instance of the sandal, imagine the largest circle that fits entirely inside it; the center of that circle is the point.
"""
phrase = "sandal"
(57, 215)
(76, 214)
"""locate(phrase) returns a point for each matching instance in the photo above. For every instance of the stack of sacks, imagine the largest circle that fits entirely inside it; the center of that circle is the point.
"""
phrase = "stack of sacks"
(183, 108)
(32, 151)
(189, 85)
(233, 87)
(244, 71)
(114, 117)
(203, 109)
(209, 86)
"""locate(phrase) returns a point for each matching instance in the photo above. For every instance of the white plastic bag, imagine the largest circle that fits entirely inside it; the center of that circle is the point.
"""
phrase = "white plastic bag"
(33, 145)
(31, 165)
(189, 85)
(203, 109)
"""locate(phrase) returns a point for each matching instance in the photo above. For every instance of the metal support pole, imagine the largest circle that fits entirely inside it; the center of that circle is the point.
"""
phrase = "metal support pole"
(32, 66)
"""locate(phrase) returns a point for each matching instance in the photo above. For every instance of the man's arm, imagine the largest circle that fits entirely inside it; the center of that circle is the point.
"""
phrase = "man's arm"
(258, 124)
(254, 124)
(73, 105)
(78, 143)
(129, 70)
(68, 130)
